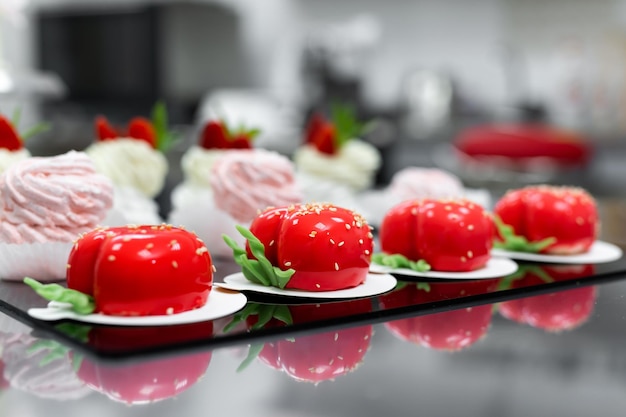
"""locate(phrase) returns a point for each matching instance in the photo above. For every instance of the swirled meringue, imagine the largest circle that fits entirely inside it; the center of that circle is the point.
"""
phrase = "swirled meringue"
(245, 182)
(52, 199)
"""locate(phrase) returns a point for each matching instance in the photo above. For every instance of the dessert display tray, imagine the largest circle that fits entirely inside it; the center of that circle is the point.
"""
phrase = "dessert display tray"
(117, 343)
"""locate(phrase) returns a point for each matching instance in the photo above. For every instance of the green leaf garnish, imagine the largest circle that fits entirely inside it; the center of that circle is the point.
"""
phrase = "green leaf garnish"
(35, 130)
(400, 261)
(253, 353)
(506, 283)
(346, 124)
(259, 270)
(511, 241)
(81, 303)
(17, 116)
(164, 138)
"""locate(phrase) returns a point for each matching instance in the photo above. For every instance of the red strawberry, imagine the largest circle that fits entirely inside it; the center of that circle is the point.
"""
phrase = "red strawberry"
(450, 330)
(321, 356)
(9, 137)
(448, 235)
(104, 130)
(566, 214)
(142, 129)
(146, 270)
(329, 247)
(321, 134)
(215, 135)
(563, 310)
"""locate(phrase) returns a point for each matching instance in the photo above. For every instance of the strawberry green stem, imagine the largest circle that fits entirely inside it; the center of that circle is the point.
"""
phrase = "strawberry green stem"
(511, 241)
(400, 261)
(259, 270)
(81, 303)
(165, 139)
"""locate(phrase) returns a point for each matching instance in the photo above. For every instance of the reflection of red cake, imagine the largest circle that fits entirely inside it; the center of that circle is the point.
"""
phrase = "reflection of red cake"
(522, 146)
(451, 330)
(563, 310)
(321, 356)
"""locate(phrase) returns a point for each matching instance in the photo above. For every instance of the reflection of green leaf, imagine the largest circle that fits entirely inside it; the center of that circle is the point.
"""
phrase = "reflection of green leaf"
(506, 283)
(259, 270)
(253, 353)
(81, 303)
(35, 130)
(265, 313)
(424, 286)
(400, 261)
(511, 241)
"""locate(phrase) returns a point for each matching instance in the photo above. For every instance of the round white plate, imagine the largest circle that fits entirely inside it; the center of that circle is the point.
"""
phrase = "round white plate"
(600, 252)
(495, 268)
(221, 303)
(374, 284)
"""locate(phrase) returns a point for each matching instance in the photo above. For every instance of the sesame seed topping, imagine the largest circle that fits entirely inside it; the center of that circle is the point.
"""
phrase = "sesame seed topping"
(367, 252)
(470, 254)
(341, 243)
(447, 208)
(313, 233)
(68, 266)
(111, 258)
(174, 264)
(213, 268)
(201, 250)
(332, 241)
(169, 311)
(359, 224)
(370, 235)
(149, 245)
(318, 286)
(332, 208)
(336, 336)
(580, 221)
(336, 266)
(272, 242)
(360, 241)
(414, 211)
(287, 263)
(348, 226)
(463, 259)
(470, 227)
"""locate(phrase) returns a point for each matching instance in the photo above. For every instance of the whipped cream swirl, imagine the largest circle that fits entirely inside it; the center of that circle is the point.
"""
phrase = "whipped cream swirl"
(52, 199)
(8, 158)
(245, 182)
(354, 165)
(197, 164)
(130, 162)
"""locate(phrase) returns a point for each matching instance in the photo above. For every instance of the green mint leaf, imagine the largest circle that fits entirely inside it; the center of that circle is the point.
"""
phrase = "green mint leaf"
(259, 270)
(35, 130)
(160, 121)
(511, 241)
(400, 261)
(81, 303)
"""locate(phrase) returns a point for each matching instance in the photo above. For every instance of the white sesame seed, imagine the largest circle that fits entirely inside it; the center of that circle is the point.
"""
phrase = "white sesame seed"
(213, 268)
(318, 286)
(169, 311)
(360, 241)
(272, 242)
(332, 241)
(175, 264)
(336, 266)
(463, 259)
(367, 252)
(347, 226)
(149, 245)
(287, 263)
(341, 243)
(68, 266)
(470, 227)
(470, 254)
(201, 250)
(111, 258)
(336, 336)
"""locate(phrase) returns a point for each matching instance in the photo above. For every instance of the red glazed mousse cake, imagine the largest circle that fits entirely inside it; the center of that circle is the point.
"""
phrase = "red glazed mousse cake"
(565, 218)
(450, 235)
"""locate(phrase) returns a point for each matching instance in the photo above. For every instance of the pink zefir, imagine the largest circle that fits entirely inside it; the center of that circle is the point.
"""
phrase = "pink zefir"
(245, 182)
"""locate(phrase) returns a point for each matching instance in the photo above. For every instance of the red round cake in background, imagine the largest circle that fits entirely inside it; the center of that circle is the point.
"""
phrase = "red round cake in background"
(450, 235)
(523, 146)
(567, 214)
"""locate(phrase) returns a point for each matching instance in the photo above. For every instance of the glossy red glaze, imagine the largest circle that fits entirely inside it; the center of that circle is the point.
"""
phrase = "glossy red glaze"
(329, 247)
(138, 271)
(9, 137)
(450, 235)
(568, 214)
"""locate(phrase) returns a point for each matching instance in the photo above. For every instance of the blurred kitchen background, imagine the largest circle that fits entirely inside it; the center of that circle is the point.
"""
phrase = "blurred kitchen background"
(423, 69)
